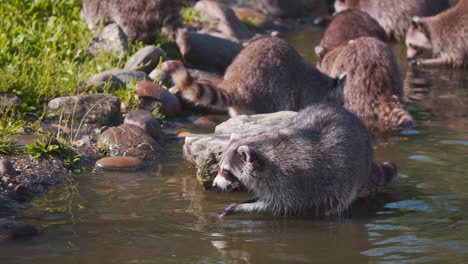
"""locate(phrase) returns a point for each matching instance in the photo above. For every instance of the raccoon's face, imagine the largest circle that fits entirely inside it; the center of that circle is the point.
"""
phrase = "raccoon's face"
(341, 5)
(417, 39)
(235, 168)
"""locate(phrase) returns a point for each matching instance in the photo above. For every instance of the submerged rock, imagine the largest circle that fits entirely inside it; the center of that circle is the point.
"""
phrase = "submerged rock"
(146, 59)
(119, 163)
(16, 229)
(95, 109)
(112, 39)
(130, 140)
(205, 151)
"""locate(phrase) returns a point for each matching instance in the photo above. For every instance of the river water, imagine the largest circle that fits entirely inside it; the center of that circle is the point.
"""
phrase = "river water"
(162, 216)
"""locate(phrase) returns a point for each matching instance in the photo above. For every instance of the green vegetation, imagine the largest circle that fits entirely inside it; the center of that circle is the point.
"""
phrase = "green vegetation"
(190, 15)
(56, 148)
(251, 22)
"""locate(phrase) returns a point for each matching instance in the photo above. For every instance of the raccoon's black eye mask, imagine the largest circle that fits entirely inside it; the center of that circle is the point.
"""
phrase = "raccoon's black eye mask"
(229, 176)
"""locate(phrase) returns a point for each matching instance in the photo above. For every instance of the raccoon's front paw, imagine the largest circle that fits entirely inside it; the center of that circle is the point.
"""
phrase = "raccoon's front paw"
(231, 209)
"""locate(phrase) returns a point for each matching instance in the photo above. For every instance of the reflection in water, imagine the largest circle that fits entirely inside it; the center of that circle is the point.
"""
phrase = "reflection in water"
(162, 216)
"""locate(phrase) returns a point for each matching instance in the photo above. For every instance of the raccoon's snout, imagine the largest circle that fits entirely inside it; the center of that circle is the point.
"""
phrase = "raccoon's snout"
(224, 184)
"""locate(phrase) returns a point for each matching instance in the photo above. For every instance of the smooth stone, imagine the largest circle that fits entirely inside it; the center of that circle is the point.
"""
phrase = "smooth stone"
(101, 81)
(17, 229)
(145, 120)
(207, 50)
(170, 104)
(95, 109)
(9, 100)
(252, 17)
(112, 40)
(222, 18)
(119, 163)
(129, 76)
(201, 121)
(183, 134)
(130, 140)
(146, 59)
(6, 168)
(205, 151)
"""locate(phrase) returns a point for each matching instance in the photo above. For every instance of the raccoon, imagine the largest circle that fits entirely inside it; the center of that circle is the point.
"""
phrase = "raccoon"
(445, 35)
(374, 86)
(266, 76)
(346, 26)
(318, 165)
(140, 19)
(394, 15)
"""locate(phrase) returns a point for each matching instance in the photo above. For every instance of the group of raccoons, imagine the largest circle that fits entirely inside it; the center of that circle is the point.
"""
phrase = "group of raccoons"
(323, 161)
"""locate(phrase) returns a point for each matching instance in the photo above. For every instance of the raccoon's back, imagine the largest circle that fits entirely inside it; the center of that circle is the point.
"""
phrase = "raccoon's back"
(270, 75)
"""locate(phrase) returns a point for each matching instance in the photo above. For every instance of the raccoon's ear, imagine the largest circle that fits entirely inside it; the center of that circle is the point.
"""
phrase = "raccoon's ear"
(246, 154)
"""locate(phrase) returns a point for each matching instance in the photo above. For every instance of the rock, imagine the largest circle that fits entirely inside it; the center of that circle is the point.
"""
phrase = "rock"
(6, 168)
(149, 91)
(119, 163)
(95, 109)
(222, 18)
(16, 229)
(252, 17)
(130, 140)
(21, 193)
(183, 134)
(100, 81)
(9, 100)
(202, 121)
(205, 151)
(206, 50)
(146, 59)
(112, 40)
(129, 76)
(145, 120)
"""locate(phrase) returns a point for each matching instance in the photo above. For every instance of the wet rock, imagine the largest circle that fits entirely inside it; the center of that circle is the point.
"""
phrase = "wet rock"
(146, 59)
(202, 121)
(128, 76)
(205, 151)
(148, 92)
(9, 100)
(206, 50)
(130, 140)
(95, 109)
(101, 81)
(6, 168)
(119, 163)
(222, 18)
(183, 134)
(16, 229)
(145, 120)
(112, 40)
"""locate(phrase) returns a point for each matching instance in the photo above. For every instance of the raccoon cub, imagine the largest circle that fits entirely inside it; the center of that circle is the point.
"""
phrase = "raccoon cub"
(346, 26)
(374, 86)
(267, 76)
(394, 15)
(140, 19)
(445, 35)
(318, 165)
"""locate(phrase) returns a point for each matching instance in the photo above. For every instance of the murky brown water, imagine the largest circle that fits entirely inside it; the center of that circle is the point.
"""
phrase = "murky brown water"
(162, 216)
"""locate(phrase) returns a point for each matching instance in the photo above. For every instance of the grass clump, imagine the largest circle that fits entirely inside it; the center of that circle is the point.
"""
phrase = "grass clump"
(55, 148)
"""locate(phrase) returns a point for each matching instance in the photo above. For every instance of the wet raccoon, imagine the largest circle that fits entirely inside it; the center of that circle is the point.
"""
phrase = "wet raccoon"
(140, 19)
(374, 86)
(318, 165)
(445, 35)
(346, 26)
(267, 76)
(394, 15)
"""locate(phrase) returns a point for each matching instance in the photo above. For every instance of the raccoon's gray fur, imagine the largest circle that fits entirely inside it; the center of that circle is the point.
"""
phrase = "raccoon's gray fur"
(346, 26)
(267, 76)
(374, 86)
(394, 15)
(318, 165)
(140, 19)
(445, 35)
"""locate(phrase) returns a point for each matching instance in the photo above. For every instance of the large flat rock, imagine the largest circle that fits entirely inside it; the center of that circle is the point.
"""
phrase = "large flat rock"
(205, 151)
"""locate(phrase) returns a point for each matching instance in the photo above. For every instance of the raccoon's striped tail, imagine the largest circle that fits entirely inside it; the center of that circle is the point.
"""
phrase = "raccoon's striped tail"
(381, 175)
(398, 115)
(200, 92)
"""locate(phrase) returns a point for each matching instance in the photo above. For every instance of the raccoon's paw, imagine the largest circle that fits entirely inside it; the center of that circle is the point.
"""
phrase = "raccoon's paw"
(231, 209)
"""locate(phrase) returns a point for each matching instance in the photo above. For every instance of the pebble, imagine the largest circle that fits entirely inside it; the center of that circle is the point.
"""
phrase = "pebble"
(119, 163)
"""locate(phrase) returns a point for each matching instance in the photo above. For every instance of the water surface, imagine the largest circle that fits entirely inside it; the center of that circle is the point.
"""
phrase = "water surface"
(162, 216)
